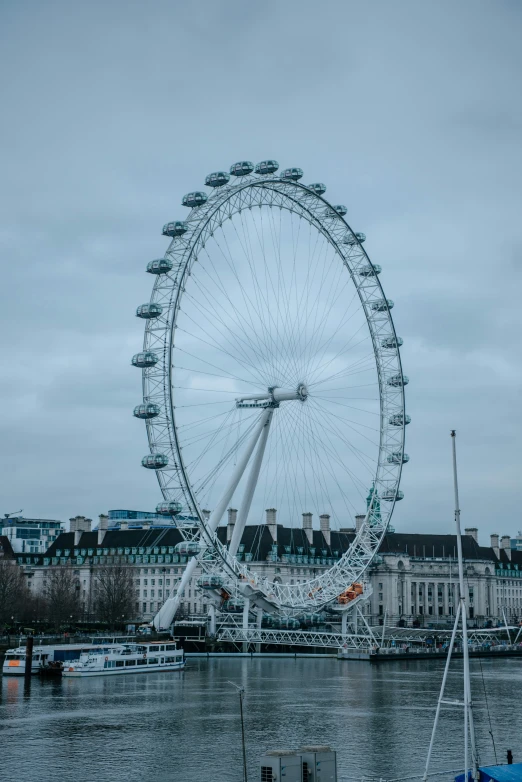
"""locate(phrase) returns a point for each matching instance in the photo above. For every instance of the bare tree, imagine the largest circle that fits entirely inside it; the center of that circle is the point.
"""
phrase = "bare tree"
(13, 591)
(114, 594)
(61, 595)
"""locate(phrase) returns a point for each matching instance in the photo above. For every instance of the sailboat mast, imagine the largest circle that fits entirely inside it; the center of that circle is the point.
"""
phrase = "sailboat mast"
(468, 706)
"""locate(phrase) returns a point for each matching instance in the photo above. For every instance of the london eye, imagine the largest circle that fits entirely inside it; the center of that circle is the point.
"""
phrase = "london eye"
(272, 379)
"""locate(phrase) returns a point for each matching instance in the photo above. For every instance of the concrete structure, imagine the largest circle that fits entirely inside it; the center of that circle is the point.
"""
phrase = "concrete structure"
(30, 536)
(414, 577)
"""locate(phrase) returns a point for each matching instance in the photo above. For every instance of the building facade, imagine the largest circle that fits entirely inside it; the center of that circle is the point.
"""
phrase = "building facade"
(30, 536)
(414, 577)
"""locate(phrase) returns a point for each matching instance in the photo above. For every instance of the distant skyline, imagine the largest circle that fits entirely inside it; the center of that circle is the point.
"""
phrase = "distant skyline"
(409, 112)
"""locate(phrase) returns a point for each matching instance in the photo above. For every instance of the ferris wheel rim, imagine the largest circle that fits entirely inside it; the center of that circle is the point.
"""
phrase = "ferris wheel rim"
(200, 219)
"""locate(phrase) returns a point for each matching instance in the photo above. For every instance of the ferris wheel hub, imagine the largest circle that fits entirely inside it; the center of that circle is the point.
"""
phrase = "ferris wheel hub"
(273, 397)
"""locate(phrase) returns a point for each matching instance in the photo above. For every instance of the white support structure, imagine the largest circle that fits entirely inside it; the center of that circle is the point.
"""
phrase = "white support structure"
(244, 509)
(165, 615)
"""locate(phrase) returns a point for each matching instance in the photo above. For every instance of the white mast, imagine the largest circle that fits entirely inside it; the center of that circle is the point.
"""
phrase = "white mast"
(469, 728)
(468, 707)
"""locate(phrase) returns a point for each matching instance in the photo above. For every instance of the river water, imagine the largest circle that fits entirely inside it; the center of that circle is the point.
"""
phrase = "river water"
(184, 726)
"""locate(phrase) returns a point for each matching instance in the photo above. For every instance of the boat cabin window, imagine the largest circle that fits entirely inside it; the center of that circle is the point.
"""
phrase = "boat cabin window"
(130, 662)
(153, 660)
(154, 648)
(141, 661)
(120, 663)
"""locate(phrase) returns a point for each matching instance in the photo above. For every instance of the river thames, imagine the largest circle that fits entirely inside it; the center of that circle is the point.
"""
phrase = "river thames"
(184, 726)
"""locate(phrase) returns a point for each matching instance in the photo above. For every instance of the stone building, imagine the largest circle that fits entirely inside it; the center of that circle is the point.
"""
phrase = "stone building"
(414, 577)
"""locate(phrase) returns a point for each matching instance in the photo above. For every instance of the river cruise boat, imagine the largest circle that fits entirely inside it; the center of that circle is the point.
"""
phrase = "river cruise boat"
(128, 658)
(55, 656)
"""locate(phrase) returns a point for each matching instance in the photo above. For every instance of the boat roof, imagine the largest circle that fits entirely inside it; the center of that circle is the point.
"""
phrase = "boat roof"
(504, 773)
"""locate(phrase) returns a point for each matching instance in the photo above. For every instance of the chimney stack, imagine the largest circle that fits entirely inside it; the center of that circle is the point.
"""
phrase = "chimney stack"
(271, 522)
(103, 524)
(307, 526)
(505, 543)
(232, 516)
(324, 520)
(494, 545)
(80, 524)
(472, 532)
(124, 525)
(359, 521)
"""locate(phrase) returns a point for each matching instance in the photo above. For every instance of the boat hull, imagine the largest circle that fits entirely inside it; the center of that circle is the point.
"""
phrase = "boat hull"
(122, 671)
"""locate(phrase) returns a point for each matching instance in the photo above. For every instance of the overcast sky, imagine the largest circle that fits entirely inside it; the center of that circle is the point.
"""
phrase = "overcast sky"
(410, 112)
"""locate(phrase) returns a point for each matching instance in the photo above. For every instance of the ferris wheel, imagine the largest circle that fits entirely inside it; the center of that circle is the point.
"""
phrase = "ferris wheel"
(272, 379)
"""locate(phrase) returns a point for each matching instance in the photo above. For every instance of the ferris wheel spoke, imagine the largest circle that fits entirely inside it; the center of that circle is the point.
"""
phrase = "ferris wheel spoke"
(359, 454)
(216, 346)
(321, 410)
(241, 343)
(344, 350)
(322, 351)
(321, 462)
(328, 308)
(224, 374)
(247, 300)
(329, 450)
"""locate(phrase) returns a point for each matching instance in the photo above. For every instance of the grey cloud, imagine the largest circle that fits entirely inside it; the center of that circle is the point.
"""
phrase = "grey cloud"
(409, 112)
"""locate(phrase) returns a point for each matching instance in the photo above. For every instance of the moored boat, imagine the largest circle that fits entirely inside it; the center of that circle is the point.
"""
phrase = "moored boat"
(53, 656)
(127, 658)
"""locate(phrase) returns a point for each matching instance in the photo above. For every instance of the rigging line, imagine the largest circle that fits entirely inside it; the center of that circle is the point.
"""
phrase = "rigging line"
(319, 409)
(229, 332)
(246, 360)
(487, 709)
(204, 361)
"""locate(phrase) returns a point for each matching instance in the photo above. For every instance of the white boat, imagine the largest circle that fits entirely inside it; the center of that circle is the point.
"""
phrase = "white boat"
(128, 658)
(46, 656)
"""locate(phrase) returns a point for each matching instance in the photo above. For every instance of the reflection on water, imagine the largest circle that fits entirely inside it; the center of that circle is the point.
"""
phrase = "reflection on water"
(184, 726)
